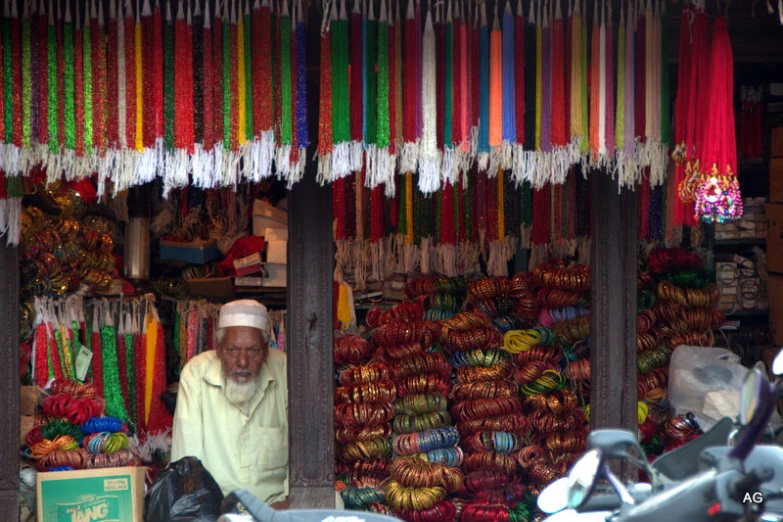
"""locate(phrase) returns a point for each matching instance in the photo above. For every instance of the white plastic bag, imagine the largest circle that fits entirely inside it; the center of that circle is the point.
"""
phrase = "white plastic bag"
(705, 382)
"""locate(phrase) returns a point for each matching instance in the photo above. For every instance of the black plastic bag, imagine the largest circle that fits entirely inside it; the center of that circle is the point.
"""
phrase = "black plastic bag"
(184, 492)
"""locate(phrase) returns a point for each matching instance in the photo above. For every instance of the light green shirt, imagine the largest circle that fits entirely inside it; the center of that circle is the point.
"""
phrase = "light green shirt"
(240, 451)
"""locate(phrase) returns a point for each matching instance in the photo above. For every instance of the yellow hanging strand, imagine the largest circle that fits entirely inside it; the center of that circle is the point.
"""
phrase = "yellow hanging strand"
(241, 86)
(152, 344)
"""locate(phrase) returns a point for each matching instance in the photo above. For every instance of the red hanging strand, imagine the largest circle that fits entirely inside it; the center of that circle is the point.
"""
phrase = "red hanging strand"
(130, 81)
(217, 77)
(148, 63)
(447, 233)
(208, 139)
(559, 136)
(519, 74)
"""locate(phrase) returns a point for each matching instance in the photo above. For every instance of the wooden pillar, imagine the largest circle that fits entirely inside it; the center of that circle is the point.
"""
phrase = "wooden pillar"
(9, 383)
(613, 306)
(310, 355)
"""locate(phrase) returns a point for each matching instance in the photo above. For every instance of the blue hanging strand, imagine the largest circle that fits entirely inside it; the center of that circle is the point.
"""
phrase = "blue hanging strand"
(509, 95)
(302, 138)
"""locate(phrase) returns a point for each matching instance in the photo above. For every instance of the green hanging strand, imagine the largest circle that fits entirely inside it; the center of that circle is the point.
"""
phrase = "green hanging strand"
(285, 80)
(585, 147)
(468, 209)
(8, 82)
(447, 93)
(418, 217)
(70, 100)
(371, 137)
(226, 83)
(249, 129)
(115, 404)
(341, 102)
(53, 106)
(88, 342)
(168, 82)
(382, 133)
(27, 84)
(130, 370)
(457, 210)
(87, 54)
(526, 204)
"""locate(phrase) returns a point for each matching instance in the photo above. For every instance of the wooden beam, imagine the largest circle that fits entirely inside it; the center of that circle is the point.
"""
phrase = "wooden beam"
(9, 383)
(613, 306)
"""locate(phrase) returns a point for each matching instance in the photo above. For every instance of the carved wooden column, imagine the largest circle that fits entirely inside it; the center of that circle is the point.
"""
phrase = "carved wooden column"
(613, 306)
(310, 356)
(9, 382)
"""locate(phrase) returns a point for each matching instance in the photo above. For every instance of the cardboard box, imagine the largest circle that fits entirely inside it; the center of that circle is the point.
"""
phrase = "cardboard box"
(277, 252)
(775, 291)
(774, 237)
(26, 423)
(776, 180)
(28, 400)
(115, 494)
(277, 275)
(194, 253)
(265, 216)
(776, 143)
(212, 287)
(276, 234)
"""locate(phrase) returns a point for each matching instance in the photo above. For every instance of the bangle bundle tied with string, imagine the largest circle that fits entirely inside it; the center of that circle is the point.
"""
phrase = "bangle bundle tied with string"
(363, 437)
(441, 296)
(71, 431)
(677, 305)
(546, 358)
(485, 405)
(425, 445)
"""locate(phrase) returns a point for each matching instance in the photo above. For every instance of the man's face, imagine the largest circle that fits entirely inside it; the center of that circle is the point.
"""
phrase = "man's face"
(242, 353)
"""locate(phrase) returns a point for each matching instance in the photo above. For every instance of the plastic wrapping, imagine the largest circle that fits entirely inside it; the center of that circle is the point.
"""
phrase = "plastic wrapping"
(706, 381)
(184, 492)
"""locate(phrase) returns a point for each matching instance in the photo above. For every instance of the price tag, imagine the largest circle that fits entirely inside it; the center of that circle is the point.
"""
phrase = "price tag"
(83, 360)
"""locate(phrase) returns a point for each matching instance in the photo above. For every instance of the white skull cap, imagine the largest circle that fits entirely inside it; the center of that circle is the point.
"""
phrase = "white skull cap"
(245, 312)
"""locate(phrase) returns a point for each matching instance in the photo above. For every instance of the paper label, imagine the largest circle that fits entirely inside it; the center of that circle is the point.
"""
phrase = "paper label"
(83, 360)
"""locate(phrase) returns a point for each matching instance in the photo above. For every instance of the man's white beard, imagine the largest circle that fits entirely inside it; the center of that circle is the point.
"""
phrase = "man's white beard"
(239, 394)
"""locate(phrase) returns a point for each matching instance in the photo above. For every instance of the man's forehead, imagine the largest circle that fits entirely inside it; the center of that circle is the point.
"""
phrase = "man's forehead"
(235, 333)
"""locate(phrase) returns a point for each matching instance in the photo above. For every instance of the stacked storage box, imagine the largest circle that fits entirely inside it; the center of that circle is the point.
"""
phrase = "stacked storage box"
(751, 226)
(775, 236)
(272, 224)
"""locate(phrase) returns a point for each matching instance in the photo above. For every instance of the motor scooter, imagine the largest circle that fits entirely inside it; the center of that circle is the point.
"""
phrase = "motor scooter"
(733, 483)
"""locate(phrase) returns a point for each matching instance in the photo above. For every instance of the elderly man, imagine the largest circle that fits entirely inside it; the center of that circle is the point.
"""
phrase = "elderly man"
(232, 407)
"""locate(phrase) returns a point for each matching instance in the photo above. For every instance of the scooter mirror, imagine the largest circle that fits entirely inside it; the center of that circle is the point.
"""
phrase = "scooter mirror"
(583, 477)
(554, 498)
(750, 396)
(614, 444)
(777, 364)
